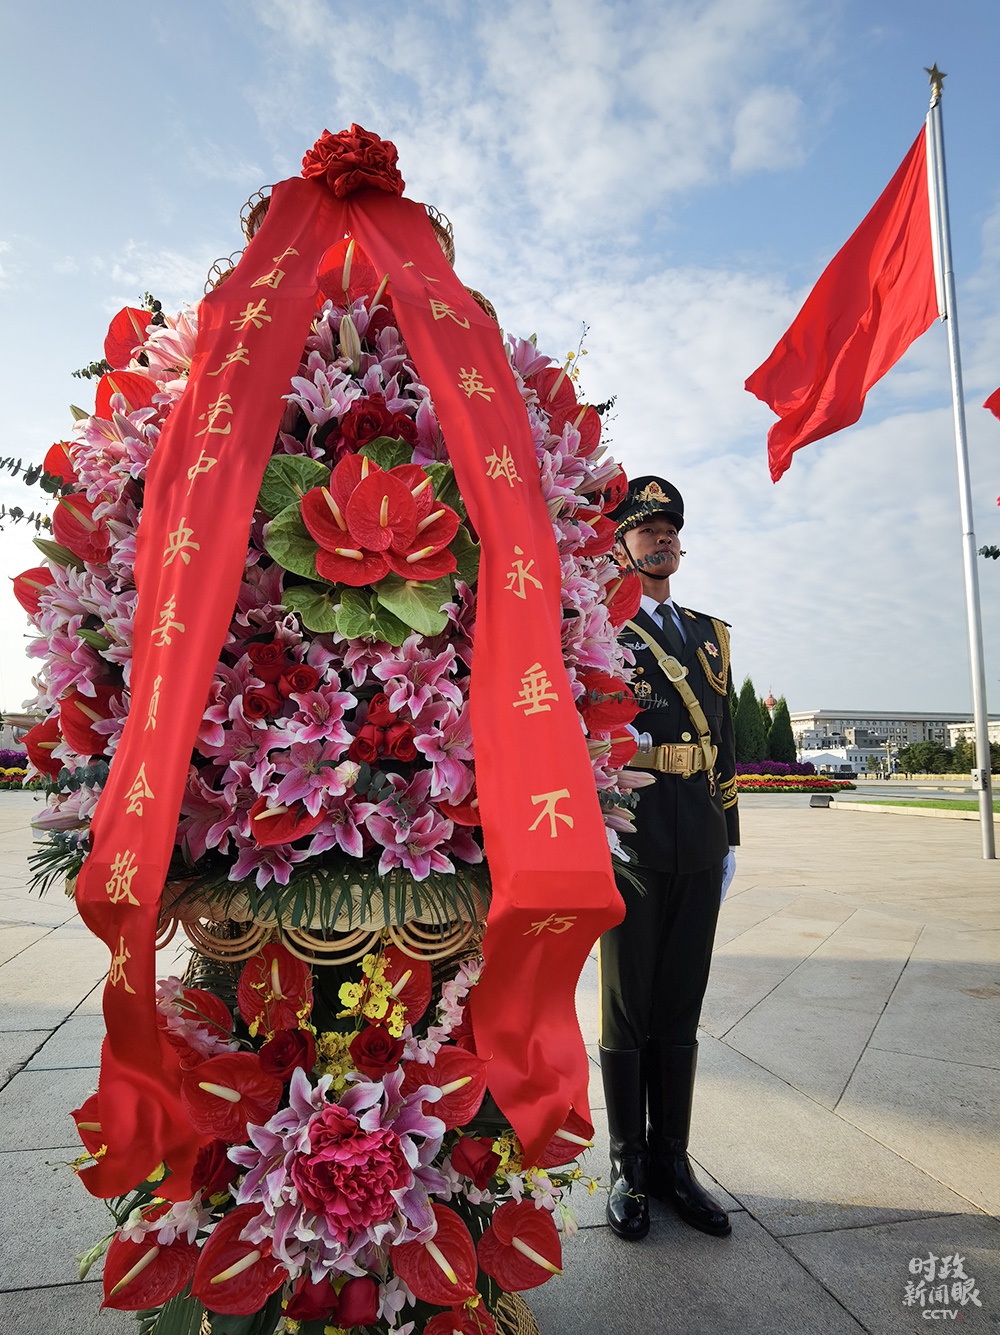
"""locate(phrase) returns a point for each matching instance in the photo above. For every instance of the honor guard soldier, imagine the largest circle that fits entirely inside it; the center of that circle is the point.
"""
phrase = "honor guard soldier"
(655, 964)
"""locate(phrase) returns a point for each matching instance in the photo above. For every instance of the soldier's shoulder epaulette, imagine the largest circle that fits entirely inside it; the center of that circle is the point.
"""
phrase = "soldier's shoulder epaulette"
(706, 616)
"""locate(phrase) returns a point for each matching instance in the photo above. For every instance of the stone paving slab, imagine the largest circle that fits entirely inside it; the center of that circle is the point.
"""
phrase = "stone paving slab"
(868, 1269)
(682, 1282)
(793, 1164)
(44, 983)
(35, 1108)
(71, 1309)
(75, 1045)
(16, 1049)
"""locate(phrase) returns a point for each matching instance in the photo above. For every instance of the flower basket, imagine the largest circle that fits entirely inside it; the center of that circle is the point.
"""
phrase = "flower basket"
(322, 1136)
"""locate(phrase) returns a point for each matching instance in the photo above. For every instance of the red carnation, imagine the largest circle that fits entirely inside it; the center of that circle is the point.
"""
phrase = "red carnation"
(374, 1051)
(287, 1049)
(269, 660)
(475, 1157)
(354, 159)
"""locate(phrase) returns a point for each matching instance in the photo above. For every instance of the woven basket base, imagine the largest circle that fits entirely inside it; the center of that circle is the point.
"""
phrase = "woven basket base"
(513, 1317)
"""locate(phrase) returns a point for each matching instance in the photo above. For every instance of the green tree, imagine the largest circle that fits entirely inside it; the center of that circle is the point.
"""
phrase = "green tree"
(780, 739)
(751, 740)
(926, 758)
(963, 756)
(872, 764)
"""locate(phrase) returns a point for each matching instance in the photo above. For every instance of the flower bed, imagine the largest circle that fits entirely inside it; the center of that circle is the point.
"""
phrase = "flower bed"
(12, 777)
(789, 783)
(775, 767)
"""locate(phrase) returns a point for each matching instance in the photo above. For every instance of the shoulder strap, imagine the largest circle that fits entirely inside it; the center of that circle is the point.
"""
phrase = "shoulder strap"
(676, 674)
(717, 674)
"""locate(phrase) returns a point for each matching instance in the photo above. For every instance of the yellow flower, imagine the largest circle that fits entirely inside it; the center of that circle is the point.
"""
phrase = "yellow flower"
(333, 1057)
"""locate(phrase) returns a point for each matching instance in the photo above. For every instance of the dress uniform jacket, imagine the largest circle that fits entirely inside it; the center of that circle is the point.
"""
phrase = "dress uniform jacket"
(685, 823)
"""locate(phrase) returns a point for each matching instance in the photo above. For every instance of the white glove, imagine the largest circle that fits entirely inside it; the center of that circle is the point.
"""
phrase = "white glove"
(728, 871)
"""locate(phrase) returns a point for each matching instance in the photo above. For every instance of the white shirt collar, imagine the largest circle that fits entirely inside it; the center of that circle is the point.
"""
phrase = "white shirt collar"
(651, 607)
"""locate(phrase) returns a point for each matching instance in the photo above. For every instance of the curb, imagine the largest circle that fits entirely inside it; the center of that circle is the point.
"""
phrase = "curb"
(908, 811)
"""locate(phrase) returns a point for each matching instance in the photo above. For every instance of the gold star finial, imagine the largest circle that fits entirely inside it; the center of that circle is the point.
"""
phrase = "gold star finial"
(936, 80)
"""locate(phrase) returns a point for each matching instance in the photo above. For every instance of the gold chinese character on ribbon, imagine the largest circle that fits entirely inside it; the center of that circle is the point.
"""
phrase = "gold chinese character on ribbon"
(289, 250)
(116, 974)
(154, 704)
(551, 924)
(123, 870)
(536, 689)
(138, 792)
(222, 407)
(471, 382)
(179, 544)
(204, 464)
(502, 466)
(240, 356)
(520, 575)
(271, 279)
(550, 809)
(167, 624)
(252, 315)
(441, 310)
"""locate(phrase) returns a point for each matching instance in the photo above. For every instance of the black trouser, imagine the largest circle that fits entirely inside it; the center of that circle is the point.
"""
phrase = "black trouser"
(655, 963)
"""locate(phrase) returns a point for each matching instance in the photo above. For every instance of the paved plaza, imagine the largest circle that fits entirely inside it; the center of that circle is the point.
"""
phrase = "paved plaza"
(847, 1099)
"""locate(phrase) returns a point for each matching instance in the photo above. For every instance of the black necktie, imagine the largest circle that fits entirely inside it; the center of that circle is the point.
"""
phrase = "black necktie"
(670, 632)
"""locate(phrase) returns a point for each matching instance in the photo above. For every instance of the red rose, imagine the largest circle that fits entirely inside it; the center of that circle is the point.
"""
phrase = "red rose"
(298, 680)
(269, 660)
(357, 1303)
(366, 744)
(374, 1051)
(312, 1301)
(213, 1171)
(379, 712)
(366, 420)
(286, 1050)
(259, 702)
(355, 159)
(399, 741)
(474, 1157)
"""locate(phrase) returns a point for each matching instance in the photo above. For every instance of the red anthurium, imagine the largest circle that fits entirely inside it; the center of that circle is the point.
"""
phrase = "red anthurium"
(555, 392)
(39, 742)
(125, 333)
(77, 715)
(88, 1124)
(521, 1247)
(275, 989)
(462, 1321)
(75, 527)
(272, 822)
(443, 1270)
(233, 1276)
(222, 1095)
(29, 585)
(573, 1137)
(461, 1078)
(57, 462)
(201, 1008)
(462, 813)
(410, 980)
(423, 563)
(140, 1275)
(603, 539)
(585, 420)
(608, 701)
(623, 748)
(137, 391)
(623, 597)
(337, 276)
(381, 513)
(351, 565)
(614, 491)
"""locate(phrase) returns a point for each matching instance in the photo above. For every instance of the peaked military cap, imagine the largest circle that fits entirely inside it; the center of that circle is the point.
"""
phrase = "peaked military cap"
(648, 496)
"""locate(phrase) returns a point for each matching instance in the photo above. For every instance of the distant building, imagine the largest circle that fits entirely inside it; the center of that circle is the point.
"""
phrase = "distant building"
(967, 730)
(833, 738)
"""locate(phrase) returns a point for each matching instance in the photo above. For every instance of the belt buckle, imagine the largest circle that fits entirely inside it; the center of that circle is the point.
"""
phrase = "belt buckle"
(680, 758)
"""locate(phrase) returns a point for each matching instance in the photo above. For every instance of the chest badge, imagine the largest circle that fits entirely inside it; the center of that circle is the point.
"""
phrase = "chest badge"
(641, 689)
(711, 648)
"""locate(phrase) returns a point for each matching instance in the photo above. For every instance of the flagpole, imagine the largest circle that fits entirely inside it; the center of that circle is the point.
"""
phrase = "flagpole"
(941, 234)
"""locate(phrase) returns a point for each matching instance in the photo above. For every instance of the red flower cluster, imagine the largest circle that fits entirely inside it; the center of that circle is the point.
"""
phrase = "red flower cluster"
(281, 676)
(369, 522)
(354, 159)
(383, 735)
(370, 418)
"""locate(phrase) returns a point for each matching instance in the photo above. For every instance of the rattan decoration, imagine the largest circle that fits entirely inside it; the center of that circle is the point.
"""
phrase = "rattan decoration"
(443, 230)
(221, 270)
(249, 938)
(328, 948)
(431, 941)
(253, 212)
(513, 1316)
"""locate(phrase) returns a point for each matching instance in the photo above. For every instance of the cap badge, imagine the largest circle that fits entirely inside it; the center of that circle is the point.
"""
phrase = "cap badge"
(652, 491)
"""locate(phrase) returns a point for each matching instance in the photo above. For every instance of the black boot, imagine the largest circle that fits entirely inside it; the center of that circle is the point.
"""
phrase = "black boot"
(671, 1086)
(624, 1075)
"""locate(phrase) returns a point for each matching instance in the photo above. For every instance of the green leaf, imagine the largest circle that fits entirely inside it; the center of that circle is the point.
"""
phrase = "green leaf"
(418, 603)
(94, 638)
(263, 1322)
(466, 553)
(180, 1316)
(361, 618)
(445, 486)
(291, 544)
(387, 452)
(62, 556)
(287, 478)
(315, 604)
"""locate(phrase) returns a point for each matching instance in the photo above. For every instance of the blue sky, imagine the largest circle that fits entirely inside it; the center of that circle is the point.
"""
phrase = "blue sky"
(675, 174)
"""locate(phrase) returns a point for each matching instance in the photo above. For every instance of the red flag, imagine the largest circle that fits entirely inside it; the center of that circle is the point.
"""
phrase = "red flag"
(873, 299)
(993, 403)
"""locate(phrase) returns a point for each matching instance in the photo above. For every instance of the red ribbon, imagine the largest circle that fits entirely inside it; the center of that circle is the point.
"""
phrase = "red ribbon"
(553, 890)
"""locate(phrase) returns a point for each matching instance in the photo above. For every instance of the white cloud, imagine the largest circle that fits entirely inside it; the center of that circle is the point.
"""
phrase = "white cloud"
(766, 132)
